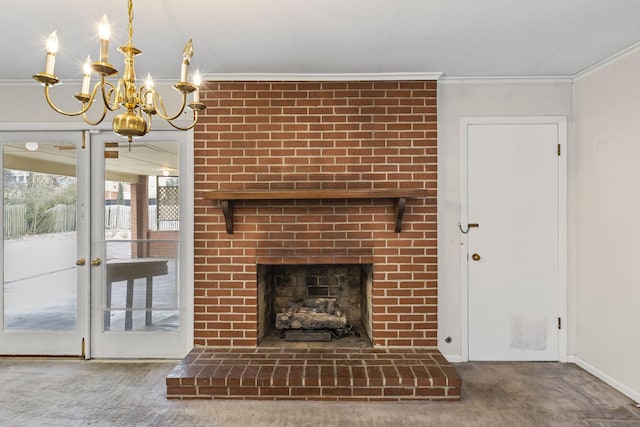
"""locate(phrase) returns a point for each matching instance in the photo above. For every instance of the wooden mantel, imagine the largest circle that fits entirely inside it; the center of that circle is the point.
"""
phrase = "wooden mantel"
(399, 197)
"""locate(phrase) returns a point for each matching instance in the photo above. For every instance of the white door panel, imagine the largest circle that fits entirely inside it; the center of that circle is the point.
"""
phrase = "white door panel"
(142, 290)
(512, 193)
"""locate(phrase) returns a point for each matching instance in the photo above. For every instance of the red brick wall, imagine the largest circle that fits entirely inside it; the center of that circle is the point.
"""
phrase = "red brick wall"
(163, 249)
(316, 135)
(139, 216)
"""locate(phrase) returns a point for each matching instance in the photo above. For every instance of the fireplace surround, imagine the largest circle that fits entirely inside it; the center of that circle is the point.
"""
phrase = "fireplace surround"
(352, 167)
(327, 173)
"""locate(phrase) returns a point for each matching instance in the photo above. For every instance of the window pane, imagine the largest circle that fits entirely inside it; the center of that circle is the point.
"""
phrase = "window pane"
(142, 233)
(40, 242)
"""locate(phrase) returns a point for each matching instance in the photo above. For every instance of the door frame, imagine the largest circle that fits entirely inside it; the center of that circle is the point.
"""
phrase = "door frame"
(561, 123)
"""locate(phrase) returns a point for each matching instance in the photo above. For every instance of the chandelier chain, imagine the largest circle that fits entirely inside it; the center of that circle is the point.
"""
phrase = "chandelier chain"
(130, 22)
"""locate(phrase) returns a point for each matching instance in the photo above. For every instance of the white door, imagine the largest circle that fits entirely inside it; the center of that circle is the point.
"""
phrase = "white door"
(141, 246)
(513, 253)
(44, 301)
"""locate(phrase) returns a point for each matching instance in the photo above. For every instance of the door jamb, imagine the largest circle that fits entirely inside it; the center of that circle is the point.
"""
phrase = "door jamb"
(561, 123)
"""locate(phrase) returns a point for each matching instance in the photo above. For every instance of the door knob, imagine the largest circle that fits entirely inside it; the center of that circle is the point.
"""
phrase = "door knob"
(96, 262)
(475, 257)
(81, 261)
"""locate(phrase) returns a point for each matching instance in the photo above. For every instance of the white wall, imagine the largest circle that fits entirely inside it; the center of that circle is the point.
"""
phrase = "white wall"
(25, 102)
(604, 254)
(457, 99)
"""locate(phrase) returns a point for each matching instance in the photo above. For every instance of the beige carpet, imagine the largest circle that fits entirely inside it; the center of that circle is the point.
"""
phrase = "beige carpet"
(49, 392)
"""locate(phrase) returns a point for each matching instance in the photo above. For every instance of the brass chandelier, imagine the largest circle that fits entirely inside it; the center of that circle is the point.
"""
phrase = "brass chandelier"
(123, 94)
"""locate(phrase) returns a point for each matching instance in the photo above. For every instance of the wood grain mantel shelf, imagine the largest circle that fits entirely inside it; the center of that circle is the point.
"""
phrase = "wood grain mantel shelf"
(399, 197)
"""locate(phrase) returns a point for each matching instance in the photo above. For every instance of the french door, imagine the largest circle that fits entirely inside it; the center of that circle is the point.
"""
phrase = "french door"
(44, 303)
(95, 261)
(141, 253)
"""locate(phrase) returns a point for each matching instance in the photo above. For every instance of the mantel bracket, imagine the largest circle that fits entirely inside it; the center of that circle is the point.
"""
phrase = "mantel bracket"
(227, 211)
(399, 205)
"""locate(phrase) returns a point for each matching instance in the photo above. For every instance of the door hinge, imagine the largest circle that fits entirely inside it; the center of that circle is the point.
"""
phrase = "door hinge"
(559, 323)
(558, 149)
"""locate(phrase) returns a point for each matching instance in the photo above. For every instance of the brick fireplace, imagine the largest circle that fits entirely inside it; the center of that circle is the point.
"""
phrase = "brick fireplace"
(316, 173)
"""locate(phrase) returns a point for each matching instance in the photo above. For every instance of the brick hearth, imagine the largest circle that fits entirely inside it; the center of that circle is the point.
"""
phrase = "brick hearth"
(366, 374)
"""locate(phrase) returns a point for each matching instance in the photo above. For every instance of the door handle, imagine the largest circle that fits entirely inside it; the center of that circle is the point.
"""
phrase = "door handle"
(81, 261)
(475, 257)
(469, 227)
(96, 262)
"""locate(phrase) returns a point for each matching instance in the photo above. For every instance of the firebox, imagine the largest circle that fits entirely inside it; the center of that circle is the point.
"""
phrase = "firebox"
(314, 302)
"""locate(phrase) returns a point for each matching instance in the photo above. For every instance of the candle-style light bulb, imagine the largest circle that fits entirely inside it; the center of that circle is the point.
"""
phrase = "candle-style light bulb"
(149, 84)
(197, 80)
(187, 54)
(52, 49)
(104, 32)
(52, 43)
(86, 75)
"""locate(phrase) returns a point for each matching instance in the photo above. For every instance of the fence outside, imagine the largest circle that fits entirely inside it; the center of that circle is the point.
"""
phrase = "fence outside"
(117, 217)
(62, 218)
(15, 221)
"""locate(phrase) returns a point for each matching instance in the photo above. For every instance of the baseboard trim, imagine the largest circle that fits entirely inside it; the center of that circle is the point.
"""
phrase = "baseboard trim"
(453, 358)
(633, 394)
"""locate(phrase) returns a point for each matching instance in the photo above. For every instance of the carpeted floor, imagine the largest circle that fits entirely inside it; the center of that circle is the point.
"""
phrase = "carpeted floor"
(52, 392)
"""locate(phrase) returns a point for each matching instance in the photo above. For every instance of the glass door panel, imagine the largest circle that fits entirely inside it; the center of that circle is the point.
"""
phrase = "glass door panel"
(40, 291)
(141, 292)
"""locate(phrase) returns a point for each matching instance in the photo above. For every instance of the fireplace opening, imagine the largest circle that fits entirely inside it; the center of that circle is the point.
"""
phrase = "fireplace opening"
(315, 303)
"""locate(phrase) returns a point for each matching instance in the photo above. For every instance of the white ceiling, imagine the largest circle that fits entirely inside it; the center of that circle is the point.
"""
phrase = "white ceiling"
(460, 38)
(141, 158)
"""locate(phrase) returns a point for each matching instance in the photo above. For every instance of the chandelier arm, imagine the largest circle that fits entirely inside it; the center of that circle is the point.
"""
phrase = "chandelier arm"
(162, 111)
(106, 96)
(193, 123)
(84, 109)
(94, 123)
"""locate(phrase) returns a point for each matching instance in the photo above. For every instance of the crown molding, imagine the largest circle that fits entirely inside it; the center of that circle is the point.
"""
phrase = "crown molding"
(506, 79)
(18, 82)
(607, 62)
(282, 77)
